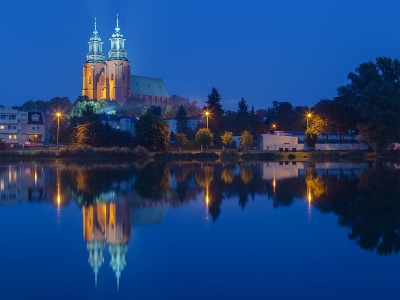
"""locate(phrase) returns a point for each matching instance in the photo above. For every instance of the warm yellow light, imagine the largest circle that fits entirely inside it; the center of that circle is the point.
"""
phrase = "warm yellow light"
(58, 200)
(308, 115)
(58, 114)
(274, 183)
(207, 113)
(274, 125)
(309, 197)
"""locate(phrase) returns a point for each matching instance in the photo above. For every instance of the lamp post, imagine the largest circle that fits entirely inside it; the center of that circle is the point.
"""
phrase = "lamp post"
(308, 117)
(58, 126)
(207, 114)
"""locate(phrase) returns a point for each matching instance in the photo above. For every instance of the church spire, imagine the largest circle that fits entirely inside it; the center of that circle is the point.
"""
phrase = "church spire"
(95, 47)
(117, 51)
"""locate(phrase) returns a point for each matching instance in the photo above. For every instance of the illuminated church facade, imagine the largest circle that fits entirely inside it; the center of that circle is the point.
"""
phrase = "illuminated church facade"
(111, 78)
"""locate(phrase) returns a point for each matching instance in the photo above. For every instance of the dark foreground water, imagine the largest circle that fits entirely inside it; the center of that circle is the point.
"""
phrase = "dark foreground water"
(199, 231)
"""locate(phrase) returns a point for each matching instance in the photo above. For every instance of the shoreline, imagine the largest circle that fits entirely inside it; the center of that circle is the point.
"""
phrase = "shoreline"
(201, 156)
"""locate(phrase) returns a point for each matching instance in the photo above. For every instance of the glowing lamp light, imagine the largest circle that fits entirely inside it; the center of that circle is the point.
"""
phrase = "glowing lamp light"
(207, 113)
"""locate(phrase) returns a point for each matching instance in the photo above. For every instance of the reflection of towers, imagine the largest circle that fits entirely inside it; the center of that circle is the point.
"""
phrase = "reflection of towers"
(107, 223)
(204, 177)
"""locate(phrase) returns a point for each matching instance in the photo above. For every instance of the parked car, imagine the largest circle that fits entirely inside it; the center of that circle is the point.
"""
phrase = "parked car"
(16, 145)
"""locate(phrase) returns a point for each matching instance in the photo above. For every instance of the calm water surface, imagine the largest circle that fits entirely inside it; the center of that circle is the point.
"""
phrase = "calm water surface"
(199, 231)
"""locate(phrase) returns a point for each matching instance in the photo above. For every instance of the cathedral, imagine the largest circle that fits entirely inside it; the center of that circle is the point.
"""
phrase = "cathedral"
(111, 79)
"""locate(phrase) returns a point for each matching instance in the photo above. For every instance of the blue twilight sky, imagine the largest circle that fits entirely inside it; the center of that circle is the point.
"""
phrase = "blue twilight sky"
(263, 50)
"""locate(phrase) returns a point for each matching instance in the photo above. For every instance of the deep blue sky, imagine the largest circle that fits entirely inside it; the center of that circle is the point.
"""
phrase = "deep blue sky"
(297, 51)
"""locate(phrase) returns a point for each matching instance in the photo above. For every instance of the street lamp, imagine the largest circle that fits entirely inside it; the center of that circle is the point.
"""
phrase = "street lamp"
(207, 113)
(58, 126)
(308, 117)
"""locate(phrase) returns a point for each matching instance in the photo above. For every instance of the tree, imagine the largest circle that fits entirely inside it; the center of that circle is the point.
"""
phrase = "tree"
(181, 120)
(242, 117)
(175, 101)
(215, 110)
(134, 107)
(155, 111)
(227, 138)
(374, 90)
(60, 104)
(85, 112)
(90, 134)
(311, 137)
(246, 139)
(338, 114)
(3, 145)
(181, 140)
(204, 137)
(152, 132)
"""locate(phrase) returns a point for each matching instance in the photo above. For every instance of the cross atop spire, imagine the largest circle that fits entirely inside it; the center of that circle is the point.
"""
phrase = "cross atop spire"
(95, 26)
(117, 28)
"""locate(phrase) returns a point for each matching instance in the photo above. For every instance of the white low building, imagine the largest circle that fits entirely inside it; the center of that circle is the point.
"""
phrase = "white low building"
(272, 142)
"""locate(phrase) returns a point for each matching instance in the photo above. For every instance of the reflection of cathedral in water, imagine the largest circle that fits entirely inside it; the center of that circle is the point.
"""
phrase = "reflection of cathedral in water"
(110, 224)
(107, 223)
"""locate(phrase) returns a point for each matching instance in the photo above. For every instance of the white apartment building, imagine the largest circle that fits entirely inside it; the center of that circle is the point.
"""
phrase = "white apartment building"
(13, 126)
(20, 127)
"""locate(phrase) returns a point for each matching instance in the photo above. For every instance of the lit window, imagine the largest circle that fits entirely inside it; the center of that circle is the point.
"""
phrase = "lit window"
(1, 126)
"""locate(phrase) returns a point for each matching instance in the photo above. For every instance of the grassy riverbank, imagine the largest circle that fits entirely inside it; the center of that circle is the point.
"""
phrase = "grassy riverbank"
(140, 153)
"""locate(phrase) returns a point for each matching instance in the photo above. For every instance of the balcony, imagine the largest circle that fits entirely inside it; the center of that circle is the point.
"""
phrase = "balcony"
(9, 131)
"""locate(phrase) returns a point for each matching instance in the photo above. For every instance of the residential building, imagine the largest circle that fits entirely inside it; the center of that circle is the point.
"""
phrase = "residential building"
(35, 128)
(120, 122)
(191, 122)
(13, 126)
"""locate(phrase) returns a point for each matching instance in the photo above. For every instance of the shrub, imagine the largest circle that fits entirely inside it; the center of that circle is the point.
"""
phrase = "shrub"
(141, 152)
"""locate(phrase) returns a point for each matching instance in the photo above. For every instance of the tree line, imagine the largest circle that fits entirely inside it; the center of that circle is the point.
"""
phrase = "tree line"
(369, 105)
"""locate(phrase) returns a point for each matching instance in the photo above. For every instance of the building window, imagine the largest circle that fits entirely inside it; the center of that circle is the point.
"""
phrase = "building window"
(23, 117)
(1, 127)
(12, 127)
(12, 137)
(35, 118)
(112, 76)
(23, 127)
(3, 117)
(90, 79)
(12, 117)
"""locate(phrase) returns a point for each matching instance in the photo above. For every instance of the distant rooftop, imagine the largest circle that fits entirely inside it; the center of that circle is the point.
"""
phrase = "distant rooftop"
(148, 86)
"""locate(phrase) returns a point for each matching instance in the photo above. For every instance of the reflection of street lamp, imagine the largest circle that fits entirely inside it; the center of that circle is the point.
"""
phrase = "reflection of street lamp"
(308, 117)
(58, 126)
(207, 113)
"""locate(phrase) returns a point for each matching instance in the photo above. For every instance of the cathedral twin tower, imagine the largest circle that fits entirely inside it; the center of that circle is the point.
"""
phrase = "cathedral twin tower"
(107, 79)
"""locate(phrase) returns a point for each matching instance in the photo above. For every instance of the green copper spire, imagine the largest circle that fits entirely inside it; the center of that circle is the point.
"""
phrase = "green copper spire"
(95, 47)
(117, 51)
